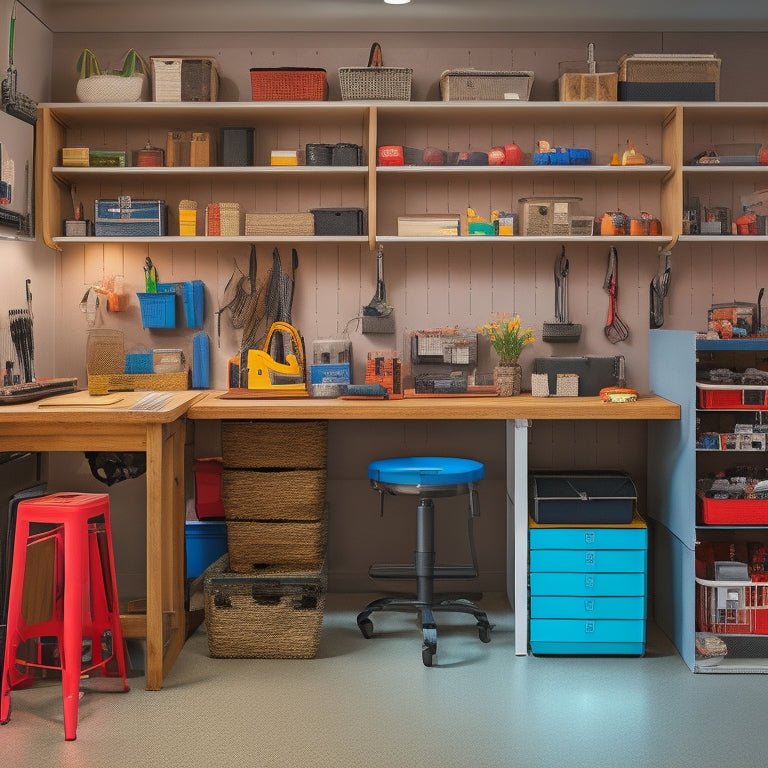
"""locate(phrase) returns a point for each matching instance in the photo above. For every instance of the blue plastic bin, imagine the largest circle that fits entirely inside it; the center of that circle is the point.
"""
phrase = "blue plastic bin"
(206, 542)
(192, 293)
(158, 310)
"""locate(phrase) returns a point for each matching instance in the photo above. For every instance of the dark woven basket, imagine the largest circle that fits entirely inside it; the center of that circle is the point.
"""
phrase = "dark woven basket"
(274, 444)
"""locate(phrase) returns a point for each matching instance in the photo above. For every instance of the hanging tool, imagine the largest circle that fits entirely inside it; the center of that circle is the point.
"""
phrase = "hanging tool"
(760, 312)
(14, 103)
(660, 289)
(378, 315)
(150, 276)
(615, 329)
(562, 330)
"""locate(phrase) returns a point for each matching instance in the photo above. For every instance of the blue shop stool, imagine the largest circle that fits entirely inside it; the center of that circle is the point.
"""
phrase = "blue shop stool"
(427, 477)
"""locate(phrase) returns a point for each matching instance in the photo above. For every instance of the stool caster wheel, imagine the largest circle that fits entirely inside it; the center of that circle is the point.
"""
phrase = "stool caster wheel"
(366, 628)
(484, 633)
(428, 653)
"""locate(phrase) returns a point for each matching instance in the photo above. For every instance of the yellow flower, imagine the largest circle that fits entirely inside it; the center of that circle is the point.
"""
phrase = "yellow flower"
(508, 339)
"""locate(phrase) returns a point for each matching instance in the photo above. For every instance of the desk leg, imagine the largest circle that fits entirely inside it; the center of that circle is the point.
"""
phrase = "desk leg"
(517, 528)
(165, 550)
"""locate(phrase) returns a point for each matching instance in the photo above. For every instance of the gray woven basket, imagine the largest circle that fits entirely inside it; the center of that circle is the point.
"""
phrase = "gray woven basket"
(375, 83)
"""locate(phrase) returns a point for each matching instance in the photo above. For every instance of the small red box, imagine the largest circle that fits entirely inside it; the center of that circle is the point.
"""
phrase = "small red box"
(733, 511)
(208, 486)
(289, 84)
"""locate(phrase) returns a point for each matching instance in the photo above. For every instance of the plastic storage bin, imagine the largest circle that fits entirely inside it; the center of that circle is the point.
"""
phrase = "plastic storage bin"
(206, 542)
(194, 301)
(158, 310)
(338, 221)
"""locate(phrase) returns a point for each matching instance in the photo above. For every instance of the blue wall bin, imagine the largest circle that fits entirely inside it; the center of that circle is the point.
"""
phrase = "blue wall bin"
(200, 361)
(192, 292)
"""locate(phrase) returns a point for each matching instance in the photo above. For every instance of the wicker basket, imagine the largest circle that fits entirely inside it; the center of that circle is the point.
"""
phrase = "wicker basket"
(279, 224)
(476, 85)
(274, 614)
(274, 444)
(182, 78)
(670, 68)
(103, 384)
(375, 82)
(229, 219)
(289, 84)
(253, 544)
(291, 494)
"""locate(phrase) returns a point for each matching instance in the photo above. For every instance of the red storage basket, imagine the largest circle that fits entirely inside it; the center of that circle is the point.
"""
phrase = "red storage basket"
(289, 84)
(733, 511)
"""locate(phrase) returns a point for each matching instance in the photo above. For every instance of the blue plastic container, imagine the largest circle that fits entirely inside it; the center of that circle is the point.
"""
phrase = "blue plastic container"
(193, 295)
(206, 542)
(158, 310)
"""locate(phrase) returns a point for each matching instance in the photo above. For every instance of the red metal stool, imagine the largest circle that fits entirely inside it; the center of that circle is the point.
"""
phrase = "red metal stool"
(84, 604)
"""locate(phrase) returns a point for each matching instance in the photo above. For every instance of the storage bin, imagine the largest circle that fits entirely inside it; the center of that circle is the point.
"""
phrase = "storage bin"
(478, 85)
(276, 613)
(375, 82)
(688, 77)
(279, 494)
(237, 146)
(338, 221)
(274, 444)
(126, 217)
(138, 362)
(206, 541)
(279, 224)
(208, 487)
(747, 396)
(158, 310)
(289, 84)
(253, 544)
(732, 511)
(193, 295)
(579, 498)
(179, 78)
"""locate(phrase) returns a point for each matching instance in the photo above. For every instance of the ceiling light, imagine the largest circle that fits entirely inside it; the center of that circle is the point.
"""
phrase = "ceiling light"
(397, 2)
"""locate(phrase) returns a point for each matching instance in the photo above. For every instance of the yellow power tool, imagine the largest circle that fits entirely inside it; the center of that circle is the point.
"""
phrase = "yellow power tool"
(264, 372)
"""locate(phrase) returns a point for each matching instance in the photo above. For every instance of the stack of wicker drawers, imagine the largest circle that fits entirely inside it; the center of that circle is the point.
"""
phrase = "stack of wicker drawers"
(588, 588)
(273, 490)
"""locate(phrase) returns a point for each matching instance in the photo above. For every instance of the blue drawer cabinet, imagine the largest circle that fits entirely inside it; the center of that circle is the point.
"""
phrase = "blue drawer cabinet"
(588, 589)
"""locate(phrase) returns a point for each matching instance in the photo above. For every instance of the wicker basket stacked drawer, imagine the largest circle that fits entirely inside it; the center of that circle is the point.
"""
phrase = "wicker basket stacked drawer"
(274, 493)
(588, 588)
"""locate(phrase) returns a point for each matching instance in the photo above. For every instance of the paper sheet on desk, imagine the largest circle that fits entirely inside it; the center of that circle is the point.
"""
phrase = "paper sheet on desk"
(80, 399)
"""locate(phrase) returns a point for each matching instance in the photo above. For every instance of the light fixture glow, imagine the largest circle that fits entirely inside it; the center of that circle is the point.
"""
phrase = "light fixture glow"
(397, 2)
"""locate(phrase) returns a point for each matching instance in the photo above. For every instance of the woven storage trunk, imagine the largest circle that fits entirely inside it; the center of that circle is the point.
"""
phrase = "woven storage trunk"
(253, 544)
(279, 224)
(670, 68)
(291, 494)
(276, 613)
(103, 384)
(179, 78)
(289, 84)
(477, 85)
(274, 444)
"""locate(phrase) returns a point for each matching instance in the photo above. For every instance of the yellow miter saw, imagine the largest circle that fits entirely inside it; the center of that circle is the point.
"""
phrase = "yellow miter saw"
(264, 372)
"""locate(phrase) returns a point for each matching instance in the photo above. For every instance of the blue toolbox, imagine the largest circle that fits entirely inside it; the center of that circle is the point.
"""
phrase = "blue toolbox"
(588, 588)
(127, 217)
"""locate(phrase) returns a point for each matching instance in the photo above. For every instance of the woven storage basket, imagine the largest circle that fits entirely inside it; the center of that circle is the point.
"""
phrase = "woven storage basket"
(476, 85)
(274, 444)
(291, 494)
(253, 544)
(670, 68)
(279, 224)
(276, 613)
(103, 384)
(289, 84)
(184, 78)
(112, 88)
(229, 218)
(375, 82)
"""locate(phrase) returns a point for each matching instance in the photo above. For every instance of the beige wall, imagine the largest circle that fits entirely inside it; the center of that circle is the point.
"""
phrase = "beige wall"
(428, 285)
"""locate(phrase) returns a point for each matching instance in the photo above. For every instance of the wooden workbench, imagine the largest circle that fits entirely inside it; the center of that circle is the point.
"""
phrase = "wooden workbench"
(78, 422)
(517, 412)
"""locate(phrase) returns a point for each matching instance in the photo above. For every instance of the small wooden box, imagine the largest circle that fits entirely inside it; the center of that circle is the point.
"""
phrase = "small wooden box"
(577, 86)
(200, 149)
(177, 78)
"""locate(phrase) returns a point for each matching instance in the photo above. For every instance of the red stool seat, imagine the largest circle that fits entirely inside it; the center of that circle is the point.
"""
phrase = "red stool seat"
(84, 604)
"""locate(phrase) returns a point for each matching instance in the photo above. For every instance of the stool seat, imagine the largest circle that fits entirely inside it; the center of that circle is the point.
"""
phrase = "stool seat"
(427, 477)
(80, 609)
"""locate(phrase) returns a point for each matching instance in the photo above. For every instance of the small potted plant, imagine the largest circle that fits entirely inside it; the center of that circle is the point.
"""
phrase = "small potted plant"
(509, 339)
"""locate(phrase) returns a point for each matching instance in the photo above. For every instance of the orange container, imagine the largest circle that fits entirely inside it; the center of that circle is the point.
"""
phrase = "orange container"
(289, 84)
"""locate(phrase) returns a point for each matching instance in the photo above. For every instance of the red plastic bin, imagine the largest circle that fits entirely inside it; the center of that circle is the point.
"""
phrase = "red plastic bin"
(720, 396)
(733, 511)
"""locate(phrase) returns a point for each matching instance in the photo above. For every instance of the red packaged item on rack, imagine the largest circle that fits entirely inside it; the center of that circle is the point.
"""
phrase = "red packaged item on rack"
(391, 155)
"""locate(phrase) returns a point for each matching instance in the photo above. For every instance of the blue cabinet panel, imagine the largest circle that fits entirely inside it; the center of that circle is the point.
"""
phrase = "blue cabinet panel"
(556, 607)
(588, 538)
(588, 584)
(588, 561)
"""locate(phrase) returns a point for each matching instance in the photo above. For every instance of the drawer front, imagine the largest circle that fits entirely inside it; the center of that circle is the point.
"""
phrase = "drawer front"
(588, 538)
(588, 560)
(588, 607)
(577, 631)
(588, 584)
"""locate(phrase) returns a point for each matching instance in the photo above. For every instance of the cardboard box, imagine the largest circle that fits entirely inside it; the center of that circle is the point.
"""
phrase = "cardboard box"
(201, 154)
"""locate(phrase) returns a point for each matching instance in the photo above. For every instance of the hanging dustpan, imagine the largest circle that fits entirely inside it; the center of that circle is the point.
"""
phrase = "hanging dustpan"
(562, 330)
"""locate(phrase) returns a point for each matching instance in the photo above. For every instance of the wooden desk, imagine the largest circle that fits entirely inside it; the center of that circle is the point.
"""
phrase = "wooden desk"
(517, 412)
(86, 425)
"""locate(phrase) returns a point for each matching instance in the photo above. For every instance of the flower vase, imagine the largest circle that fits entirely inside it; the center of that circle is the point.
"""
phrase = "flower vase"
(508, 379)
